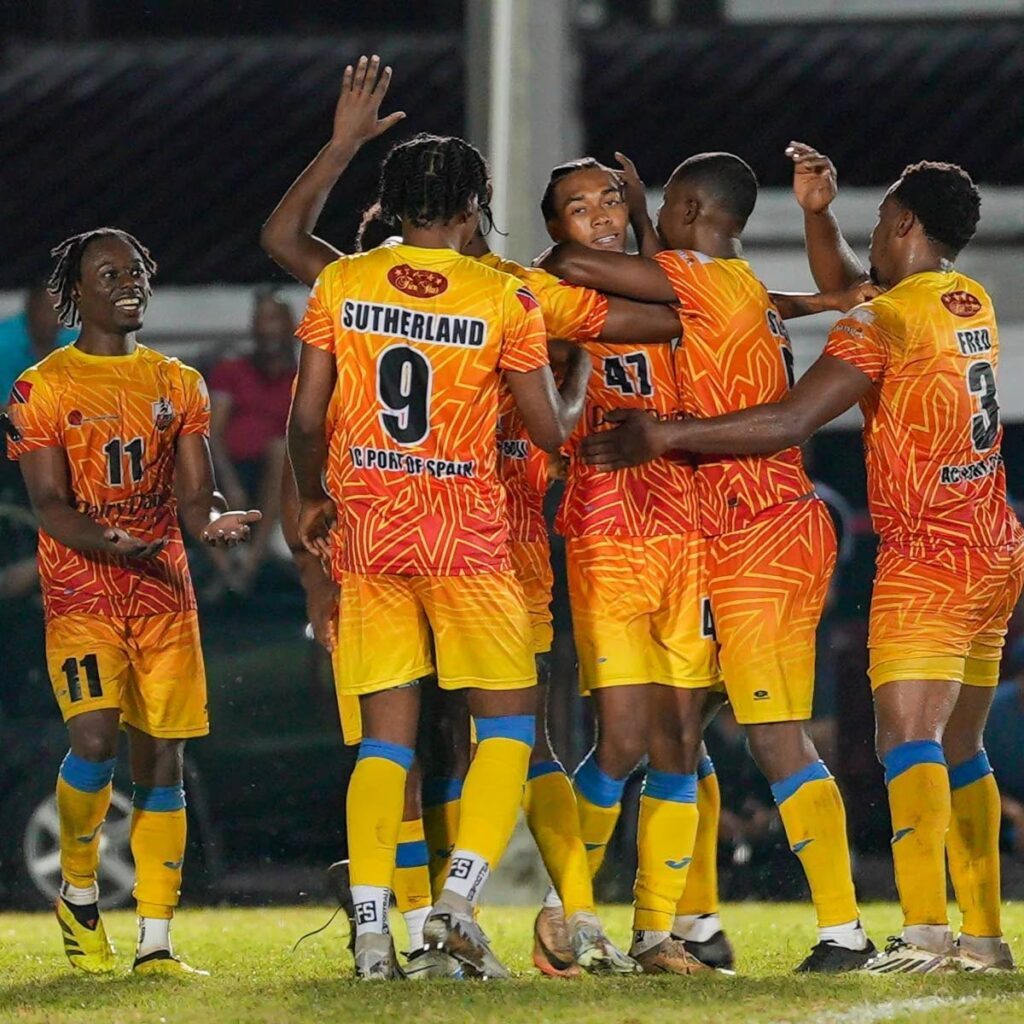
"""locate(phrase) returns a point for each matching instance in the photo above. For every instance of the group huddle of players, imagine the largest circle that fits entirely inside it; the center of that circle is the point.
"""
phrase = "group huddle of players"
(661, 384)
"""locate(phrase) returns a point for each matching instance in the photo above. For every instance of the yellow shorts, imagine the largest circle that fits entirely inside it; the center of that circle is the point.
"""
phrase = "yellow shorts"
(531, 562)
(639, 611)
(768, 584)
(149, 667)
(477, 624)
(941, 612)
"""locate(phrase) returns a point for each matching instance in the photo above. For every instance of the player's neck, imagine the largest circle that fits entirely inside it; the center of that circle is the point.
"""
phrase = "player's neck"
(434, 236)
(719, 244)
(922, 262)
(96, 342)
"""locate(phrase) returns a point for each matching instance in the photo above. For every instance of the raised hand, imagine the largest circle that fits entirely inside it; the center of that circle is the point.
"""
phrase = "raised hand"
(815, 184)
(631, 181)
(120, 542)
(231, 528)
(363, 89)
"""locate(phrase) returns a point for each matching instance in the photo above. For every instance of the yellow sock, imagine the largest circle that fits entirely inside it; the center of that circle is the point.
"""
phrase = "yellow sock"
(158, 836)
(373, 812)
(666, 833)
(442, 803)
(83, 798)
(919, 804)
(700, 896)
(814, 818)
(598, 801)
(550, 806)
(411, 883)
(972, 845)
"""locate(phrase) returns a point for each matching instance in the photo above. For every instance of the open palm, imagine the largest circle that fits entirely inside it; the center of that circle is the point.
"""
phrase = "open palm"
(363, 89)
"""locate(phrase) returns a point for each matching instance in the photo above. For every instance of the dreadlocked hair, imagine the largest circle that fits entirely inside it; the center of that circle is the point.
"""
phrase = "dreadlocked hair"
(431, 179)
(67, 270)
(584, 163)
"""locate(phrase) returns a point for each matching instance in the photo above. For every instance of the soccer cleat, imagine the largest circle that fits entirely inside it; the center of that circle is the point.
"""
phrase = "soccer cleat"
(426, 963)
(452, 927)
(716, 952)
(337, 880)
(831, 958)
(668, 957)
(163, 961)
(376, 959)
(594, 951)
(85, 939)
(902, 957)
(552, 951)
(984, 955)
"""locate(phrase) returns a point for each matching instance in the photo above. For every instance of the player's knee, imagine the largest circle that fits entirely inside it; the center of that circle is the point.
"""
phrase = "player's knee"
(959, 747)
(675, 743)
(94, 746)
(619, 751)
(780, 749)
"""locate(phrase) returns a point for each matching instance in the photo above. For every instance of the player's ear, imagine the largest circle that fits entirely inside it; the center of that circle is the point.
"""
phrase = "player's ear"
(905, 223)
(691, 210)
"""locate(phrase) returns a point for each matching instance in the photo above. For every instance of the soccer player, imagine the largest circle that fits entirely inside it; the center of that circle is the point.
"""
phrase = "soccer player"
(771, 543)
(114, 453)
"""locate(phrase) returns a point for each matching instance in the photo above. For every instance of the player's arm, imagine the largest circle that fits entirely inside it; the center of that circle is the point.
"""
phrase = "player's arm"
(633, 277)
(647, 239)
(792, 305)
(834, 265)
(287, 236)
(45, 471)
(637, 323)
(828, 389)
(549, 412)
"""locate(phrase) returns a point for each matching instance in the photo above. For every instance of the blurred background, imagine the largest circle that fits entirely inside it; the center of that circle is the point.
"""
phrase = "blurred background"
(183, 121)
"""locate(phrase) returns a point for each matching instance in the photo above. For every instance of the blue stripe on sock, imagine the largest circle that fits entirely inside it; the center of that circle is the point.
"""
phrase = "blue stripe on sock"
(705, 768)
(970, 771)
(507, 727)
(543, 768)
(87, 776)
(158, 798)
(680, 789)
(785, 788)
(439, 791)
(595, 785)
(412, 855)
(906, 755)
(395, 752)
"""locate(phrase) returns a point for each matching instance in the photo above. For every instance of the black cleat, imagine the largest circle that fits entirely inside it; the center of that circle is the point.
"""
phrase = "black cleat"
(716, 952)
(828, 958)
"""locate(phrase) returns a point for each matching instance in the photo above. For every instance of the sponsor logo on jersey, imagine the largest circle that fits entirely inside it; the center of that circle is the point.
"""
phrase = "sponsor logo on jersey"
(975, 341)
(21, 392)
(389, 461)
(424, 284)
(961, 303)
(972, 471)
(514, 449)
(526, 298)
(163, 413)
(75, 418)
(409, 325)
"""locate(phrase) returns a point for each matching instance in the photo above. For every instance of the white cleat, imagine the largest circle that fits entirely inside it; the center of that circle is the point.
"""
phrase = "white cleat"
(984, 955)
(376, 959)
(902, 957)
(426, 963)
(594, 951)
(452, 928)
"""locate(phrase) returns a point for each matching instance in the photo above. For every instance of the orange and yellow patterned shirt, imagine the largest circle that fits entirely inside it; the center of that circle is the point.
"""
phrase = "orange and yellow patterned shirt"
(931, 421)
(118, 419)
(420, 338)
(735, 353)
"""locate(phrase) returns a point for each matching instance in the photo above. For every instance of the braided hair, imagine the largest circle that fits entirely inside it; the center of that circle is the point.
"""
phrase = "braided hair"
(67, 271)
(430, 179)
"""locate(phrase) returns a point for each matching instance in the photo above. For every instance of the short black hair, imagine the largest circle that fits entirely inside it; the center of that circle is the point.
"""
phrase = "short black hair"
(430, 179)
(584, 163)
(67, 271)
(943, 198)
(728, 179)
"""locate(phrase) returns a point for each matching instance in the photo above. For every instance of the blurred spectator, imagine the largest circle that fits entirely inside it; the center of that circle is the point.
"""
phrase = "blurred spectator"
(1004, 740)
(249, 399)
(29, 336)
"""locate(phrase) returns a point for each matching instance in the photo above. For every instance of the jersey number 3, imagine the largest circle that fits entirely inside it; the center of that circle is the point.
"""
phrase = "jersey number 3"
(981, 383)
(403, 390)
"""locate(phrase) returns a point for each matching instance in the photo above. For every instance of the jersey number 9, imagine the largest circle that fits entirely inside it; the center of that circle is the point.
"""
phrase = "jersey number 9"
(403, 389)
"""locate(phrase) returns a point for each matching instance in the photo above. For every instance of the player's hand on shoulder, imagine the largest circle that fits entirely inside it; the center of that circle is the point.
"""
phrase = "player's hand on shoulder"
(315, 521)
(636, 439)
(230, 528)
(120, 542)
(363, 89)
(863, 291)
(815, 183)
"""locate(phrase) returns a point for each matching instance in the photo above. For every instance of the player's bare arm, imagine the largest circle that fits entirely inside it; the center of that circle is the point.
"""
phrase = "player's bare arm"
(287, 236)
(46, 478)
(617, 273)
(307, 447)
(828, 389)
(635, 191)
(834, 264)
(550, 413)
(200, 507)
(792, 305)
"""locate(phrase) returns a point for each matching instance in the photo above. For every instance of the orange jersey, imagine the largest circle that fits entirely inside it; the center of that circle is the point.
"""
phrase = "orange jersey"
(735, 353)
(118, 419)
(420, 337)
(931, 434)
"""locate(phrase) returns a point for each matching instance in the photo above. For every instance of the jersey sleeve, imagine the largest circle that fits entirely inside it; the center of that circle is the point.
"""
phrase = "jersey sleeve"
(687, 271)
(524, 343)
(316, 327)
(33, 410)
(195, 418)
(857, 339)
(570, 311)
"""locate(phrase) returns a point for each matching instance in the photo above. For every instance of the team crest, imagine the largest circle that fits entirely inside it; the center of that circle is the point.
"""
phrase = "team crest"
(75, 418)
(20, 392)
(961, 303)
(163, 413)
(423, 284)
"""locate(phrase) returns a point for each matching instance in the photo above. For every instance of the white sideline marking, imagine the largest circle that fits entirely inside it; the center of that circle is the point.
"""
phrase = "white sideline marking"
(873, 1013)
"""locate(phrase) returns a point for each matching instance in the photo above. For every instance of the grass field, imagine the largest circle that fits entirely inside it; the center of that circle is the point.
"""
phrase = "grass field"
(256, 978)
